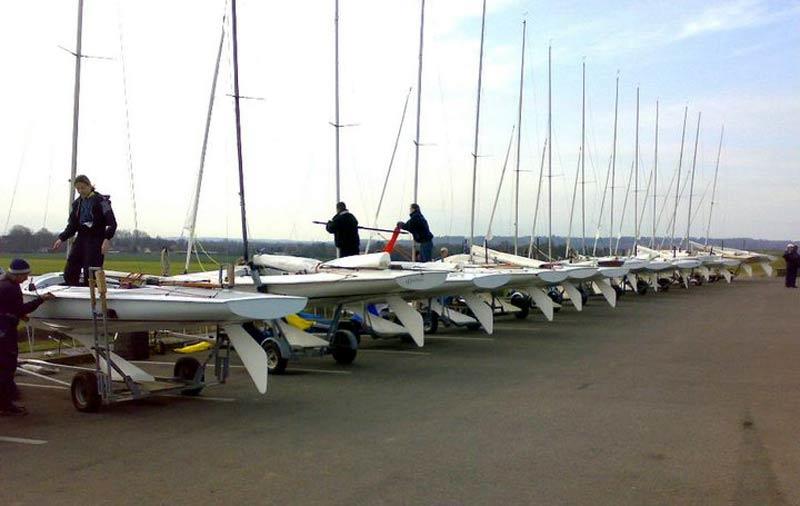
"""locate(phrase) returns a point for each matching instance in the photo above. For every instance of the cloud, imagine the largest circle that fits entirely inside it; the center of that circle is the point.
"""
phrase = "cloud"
(732, 15)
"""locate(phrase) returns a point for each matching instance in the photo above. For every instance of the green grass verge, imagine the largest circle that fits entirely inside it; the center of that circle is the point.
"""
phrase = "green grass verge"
(145, 263)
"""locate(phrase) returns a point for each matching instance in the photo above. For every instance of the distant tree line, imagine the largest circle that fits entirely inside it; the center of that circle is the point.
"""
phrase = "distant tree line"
(21, 239)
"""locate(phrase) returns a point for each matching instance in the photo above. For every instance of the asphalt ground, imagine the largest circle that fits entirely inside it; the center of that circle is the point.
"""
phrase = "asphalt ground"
(685, 397)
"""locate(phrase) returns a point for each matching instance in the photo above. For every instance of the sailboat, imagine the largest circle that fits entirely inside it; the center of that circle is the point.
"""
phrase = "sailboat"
(342, 283)
(134, 307)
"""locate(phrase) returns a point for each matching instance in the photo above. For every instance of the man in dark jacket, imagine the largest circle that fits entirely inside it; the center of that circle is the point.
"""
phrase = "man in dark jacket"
(92, 218)
(12, 310)
(792, 263)
(418, 226)
(344, 227)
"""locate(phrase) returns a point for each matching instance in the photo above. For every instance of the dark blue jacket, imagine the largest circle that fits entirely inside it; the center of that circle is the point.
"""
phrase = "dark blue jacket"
(418, 226)
(102, 225)
(12, 309)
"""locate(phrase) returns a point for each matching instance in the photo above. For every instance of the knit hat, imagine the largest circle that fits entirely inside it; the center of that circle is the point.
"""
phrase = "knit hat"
(19, 266)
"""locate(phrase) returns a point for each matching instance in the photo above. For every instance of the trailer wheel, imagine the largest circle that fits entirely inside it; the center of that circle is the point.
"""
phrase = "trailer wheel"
(276, 363)
(185, 370)
(83, 389)
(523, 302)
(352, 326)
(556, 297)
(584, 295)
(430, 321)
(641, 287)
(619, 290)
(341, 347)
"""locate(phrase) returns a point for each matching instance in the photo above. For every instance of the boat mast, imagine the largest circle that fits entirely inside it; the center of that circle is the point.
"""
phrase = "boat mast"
(198, 185)
(549, 154)
(655, 181)
(419, 100)
(419, 111)
(76, 101)
(477, 124)
(245, 253)
(714, 187)
(519, 139)
(636, 181)
(538, 197)
(336, 124)
(678, 179)
(583, 156)
(691, 184)
(613, 165)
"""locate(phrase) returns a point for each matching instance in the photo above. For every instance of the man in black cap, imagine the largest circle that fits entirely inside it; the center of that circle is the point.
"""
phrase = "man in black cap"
(344, 227)
(418, 226)
(12, 310)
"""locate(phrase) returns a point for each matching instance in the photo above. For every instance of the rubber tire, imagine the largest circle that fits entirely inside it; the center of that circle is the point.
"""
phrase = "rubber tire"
(430, 322)
(83, 391)
(522, 313)
(584, 295)
(473, 326)
(557, 298)
(619, 291)
(341, 350)
(641, 287)
(185, 370)
(276, 363)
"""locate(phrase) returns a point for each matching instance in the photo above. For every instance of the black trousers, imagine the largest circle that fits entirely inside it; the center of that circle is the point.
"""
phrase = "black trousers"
(8, 365)
(86, 252)
(791, 276)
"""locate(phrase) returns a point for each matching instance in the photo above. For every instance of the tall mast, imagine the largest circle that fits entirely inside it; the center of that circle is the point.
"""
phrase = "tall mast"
(655, 180)
(613, 164)
(196, 202)
(538, 197)
(419, 99)
(583, 156)
(714, 188)
(678, 178)
(549, 154)
(636, 180)
(477, 124)
(336, 125)
(519, 139)
(76, 102)
(691, 184)
(245, 253)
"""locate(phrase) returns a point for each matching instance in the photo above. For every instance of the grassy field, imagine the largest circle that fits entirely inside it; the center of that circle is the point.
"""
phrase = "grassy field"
(145, 263)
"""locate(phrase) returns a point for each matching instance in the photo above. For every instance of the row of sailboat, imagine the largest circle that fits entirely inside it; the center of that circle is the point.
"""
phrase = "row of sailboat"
(466, 289)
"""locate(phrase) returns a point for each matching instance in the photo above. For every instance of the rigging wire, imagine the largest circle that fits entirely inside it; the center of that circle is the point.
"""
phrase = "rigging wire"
(127, 125)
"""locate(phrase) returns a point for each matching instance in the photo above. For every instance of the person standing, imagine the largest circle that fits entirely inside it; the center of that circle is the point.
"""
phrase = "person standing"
(792, 263)
(12, 310)
(344, 227)
(92, 218)
(420, 231)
